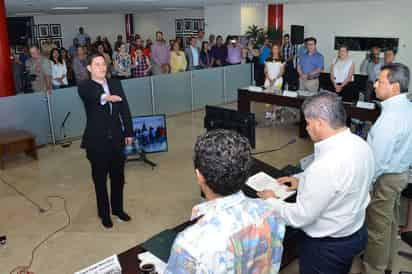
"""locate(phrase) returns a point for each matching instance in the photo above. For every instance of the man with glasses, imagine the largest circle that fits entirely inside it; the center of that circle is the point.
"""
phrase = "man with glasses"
(310, 65)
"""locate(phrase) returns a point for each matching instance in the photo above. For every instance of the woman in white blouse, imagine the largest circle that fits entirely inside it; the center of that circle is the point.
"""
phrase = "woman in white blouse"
(274, 69)
(59, 69)
(341, 75)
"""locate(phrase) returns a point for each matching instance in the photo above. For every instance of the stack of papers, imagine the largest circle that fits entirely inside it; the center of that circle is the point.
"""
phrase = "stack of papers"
(261, 181)
(149, 258)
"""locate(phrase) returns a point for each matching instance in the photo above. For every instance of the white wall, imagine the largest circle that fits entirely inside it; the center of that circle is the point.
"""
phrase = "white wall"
(253, 14)
(374, 19)
(109, 25)
(223, 20)
(146, 24)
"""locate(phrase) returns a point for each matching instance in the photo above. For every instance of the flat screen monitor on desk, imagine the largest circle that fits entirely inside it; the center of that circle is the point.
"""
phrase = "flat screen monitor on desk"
(223, 118)
(149, 135)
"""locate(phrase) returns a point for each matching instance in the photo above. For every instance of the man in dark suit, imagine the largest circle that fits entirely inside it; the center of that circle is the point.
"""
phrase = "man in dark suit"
(108, 130)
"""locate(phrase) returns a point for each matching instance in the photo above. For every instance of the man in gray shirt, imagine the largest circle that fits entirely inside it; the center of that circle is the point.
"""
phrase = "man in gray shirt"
(372, 67)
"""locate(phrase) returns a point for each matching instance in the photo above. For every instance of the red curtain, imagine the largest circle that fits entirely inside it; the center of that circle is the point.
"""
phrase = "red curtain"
(6, 73)
(129, 24)
(275, 16)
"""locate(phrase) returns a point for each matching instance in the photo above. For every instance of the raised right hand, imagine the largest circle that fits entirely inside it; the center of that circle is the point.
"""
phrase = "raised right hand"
(294, 182)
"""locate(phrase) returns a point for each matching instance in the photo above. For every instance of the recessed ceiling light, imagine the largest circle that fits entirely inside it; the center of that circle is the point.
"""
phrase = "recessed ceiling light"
(70, 8)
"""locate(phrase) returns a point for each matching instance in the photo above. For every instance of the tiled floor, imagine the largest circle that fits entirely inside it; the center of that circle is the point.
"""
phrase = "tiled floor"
(156, 199)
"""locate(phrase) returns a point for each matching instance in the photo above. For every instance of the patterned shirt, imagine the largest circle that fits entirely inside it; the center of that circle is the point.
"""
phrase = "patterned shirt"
(235, 235)
(288, 51)
(141, 67)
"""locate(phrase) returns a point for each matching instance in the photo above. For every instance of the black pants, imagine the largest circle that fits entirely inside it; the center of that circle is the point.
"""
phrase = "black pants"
(349, 93)
(108, 162)
(331, 255)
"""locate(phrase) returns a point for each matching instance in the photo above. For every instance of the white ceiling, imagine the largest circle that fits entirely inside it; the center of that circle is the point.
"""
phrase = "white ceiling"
(37, 7)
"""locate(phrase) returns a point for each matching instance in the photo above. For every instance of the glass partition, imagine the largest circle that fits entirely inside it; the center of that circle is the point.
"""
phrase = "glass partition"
(28, 112)
(207, 87)
(236, 76)
(172, 93)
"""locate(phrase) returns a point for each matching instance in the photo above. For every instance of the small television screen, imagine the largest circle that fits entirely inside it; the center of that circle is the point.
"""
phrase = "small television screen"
(149, 135)
(223, 118)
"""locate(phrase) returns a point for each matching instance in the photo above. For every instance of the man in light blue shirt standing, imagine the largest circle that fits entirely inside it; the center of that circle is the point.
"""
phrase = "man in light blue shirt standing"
(310, 65)
(391, 142)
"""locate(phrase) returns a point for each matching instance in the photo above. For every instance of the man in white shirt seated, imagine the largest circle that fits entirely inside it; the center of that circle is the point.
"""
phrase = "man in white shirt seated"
(234, 234)
(332, 193)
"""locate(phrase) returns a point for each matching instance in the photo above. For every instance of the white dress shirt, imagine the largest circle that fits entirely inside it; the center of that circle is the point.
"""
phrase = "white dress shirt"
(333, 191)
(391, 136)
(195, 54)
(58, 71)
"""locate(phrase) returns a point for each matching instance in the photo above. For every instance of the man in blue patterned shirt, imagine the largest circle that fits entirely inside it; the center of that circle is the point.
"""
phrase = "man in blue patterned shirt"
(234, 234)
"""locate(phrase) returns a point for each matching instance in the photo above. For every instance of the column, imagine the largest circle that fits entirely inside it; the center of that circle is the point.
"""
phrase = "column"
(6, 71)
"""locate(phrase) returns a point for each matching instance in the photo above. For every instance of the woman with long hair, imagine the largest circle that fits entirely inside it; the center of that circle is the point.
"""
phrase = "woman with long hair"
(178, 62)
(274, 70)
(205, 56)
(122, 62)
(59, 69)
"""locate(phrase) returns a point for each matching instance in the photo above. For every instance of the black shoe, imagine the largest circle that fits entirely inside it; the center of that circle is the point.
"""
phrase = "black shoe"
(122, 216)
(407, 237)
(388, 271)
(107, 222)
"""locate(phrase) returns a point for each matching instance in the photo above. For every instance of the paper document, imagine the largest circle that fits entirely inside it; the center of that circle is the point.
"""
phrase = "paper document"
(255, 89)
(288, 93)
(262, 181)
(109, 265)
(149, 258)
(366, 105)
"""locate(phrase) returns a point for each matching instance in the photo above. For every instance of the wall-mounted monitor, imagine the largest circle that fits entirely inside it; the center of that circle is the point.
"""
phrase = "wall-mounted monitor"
(365, 43)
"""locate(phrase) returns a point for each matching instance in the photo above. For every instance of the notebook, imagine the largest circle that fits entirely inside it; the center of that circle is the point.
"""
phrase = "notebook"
(261, 181)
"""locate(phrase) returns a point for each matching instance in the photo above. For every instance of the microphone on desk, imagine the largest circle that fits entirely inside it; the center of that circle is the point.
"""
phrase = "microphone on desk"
(291, 141)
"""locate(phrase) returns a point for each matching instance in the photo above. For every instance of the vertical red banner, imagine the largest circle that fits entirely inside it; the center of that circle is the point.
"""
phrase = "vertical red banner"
(275, 16)
(129, 24)
(6, 72)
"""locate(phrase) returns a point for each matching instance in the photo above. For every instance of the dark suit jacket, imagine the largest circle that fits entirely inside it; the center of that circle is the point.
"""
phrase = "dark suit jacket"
(104, 129)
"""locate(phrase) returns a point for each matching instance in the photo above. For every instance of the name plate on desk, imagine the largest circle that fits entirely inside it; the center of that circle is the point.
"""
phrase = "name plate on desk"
(366, 105)
(109, 265)
(255, 89)
(291, 94)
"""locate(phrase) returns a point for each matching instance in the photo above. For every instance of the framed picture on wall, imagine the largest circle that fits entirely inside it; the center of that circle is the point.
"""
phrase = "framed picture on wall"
(188, 25)
(196, 25)
(55, 30)
(44, 30)
(42, 43)
(58, 42)
(179, 25)
(34, 31)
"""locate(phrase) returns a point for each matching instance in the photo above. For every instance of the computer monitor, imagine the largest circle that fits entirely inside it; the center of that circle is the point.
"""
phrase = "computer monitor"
(149, 135)
(241, 122)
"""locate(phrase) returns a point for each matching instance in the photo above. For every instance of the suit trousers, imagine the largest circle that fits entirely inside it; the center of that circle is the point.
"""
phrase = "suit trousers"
(330, 255)
(382, 219)
(109, 161)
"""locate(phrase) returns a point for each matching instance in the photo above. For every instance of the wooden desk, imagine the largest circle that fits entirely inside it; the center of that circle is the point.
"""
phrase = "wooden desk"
(245, 97)
(14, 141)
(129, 261)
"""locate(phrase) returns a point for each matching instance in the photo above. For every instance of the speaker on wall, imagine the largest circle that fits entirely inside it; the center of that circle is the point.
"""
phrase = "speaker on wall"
(297, 34)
